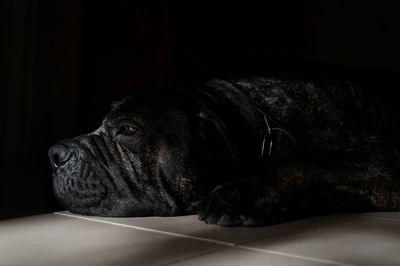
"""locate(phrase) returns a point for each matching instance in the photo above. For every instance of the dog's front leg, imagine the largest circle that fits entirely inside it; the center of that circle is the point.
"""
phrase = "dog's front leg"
(297, 190)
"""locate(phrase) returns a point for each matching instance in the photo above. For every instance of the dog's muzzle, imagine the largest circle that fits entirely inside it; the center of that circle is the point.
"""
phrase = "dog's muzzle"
(74, 181)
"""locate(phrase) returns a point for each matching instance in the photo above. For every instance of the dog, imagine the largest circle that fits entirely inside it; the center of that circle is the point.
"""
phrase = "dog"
(246, 151)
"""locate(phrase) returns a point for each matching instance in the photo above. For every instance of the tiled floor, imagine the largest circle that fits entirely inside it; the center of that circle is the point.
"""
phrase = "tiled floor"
(67, 239)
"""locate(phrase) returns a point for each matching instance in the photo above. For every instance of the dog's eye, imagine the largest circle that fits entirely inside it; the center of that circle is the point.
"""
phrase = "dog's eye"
(128, 130)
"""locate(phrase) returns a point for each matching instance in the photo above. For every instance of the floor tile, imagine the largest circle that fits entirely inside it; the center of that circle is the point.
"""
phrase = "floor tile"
(58, 240)
(191, 226)
(239, 257)
(364, 239)
(352, 239)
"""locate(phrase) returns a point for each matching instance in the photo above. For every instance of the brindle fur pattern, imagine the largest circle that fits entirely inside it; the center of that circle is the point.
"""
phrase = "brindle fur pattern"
(238, 152)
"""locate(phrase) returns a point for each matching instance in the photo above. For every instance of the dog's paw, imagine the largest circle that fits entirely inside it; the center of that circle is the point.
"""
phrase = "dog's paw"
(228, 206)
(220, 208)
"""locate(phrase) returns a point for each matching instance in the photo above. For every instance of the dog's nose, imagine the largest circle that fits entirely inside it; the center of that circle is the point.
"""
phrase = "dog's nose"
(59, 154)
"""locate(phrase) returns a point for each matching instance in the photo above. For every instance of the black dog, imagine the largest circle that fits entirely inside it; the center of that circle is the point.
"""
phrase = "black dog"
(239, 152)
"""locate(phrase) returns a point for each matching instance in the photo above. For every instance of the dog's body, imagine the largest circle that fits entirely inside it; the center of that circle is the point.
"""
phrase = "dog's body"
(238, 152)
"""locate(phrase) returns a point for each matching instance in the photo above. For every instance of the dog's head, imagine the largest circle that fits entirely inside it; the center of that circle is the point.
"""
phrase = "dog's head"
(154, 154)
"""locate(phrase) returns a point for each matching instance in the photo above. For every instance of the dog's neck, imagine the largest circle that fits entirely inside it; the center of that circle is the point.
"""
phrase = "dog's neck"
(252, 110)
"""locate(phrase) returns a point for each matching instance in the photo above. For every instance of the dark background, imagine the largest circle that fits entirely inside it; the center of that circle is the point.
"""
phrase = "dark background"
(63, 62)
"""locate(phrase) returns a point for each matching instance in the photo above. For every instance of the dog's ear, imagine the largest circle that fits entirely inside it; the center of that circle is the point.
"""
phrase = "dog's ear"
(214, 133)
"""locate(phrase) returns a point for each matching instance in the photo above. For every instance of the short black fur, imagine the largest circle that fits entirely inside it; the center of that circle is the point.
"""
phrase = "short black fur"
(237, 152)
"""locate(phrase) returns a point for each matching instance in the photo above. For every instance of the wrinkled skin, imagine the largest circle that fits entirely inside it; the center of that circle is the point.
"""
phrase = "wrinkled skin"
(241, 152)
(153, 170)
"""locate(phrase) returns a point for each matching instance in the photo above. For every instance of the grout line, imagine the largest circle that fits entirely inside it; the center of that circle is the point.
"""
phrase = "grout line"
(284, 254)
(148, 229)
(379, 218)
(229, 244)
(203, 254)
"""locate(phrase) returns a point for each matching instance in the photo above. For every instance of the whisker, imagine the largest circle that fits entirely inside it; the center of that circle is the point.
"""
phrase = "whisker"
(266, 122)
(284, 131)
(263, 144)
(269, 132)
(270, 148)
